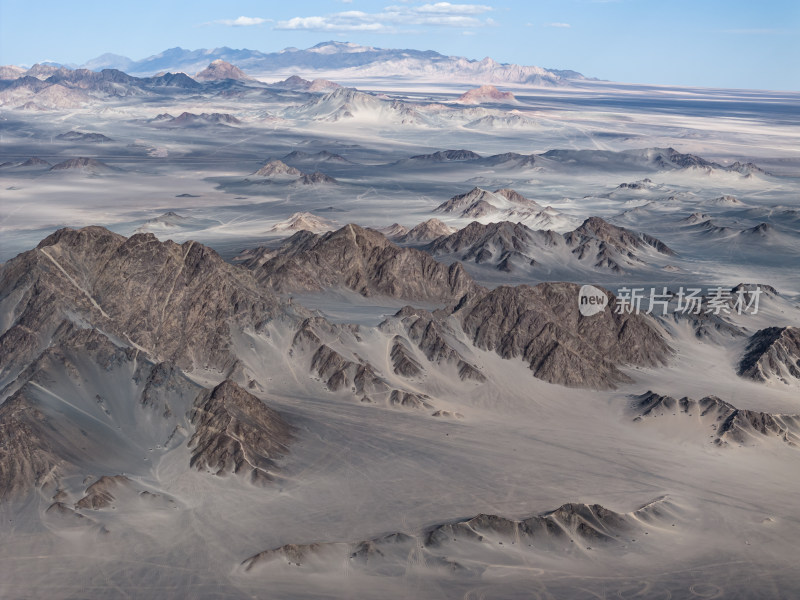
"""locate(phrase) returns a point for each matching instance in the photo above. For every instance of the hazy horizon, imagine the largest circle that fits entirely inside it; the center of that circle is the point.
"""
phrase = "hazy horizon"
(716, 44)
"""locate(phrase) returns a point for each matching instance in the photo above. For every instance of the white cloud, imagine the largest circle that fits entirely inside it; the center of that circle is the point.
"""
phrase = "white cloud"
(392, 18)
(559, 25)
(453, 9)
(243, 21)
(331, 23)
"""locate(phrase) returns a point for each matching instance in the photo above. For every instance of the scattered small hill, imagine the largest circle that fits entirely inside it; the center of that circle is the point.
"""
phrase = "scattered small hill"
(187, 119)
(504, 121)
(485, 94)
(316, 178)
(695, 218)
(446, 156)
(348, 103)
(277, 168)
(393, 231)
(298, 84)
(726, 202)
(78, 136)
(425, 232)
(623, 240)
(645, 159)
(26, 94)
(643, 184)
(747, 169)
(727, 424)
(478, 203)
(219, 70)
(277, 171)
(304, 221)
(510, 160)
(85, 165)
(323, 156)
(322, 85)
(170, 222)
(452, 545)
(762, 230)
(35, 162)
(505, 205)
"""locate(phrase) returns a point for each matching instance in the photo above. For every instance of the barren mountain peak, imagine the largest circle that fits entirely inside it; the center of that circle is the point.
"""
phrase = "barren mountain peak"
(219, 70)
(485, 93)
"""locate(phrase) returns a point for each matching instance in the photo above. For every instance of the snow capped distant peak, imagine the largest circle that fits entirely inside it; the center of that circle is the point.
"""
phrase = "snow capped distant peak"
(339, 47)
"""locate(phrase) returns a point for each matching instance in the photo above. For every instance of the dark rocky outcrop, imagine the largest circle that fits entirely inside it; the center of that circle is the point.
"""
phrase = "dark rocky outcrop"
(620, 238)
(727, 423)
(187, 119)
(101, 493)
(596, 242)
(27, 456)
(431, 334)
(773, 352)
(542, 326)
(353, 373)
(446, 156)
(425, 232)
(364, 261)
(237, 433)
(340, 373)
(78, 136)
(316, 178)
(403, 361)
(571, 528)
(176, 302)
(90, 165)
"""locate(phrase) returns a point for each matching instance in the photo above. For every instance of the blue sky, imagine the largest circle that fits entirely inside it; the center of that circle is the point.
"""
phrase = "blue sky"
(677, 42)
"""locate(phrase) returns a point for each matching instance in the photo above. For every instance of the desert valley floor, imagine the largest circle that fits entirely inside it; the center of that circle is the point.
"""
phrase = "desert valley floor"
(302, 340)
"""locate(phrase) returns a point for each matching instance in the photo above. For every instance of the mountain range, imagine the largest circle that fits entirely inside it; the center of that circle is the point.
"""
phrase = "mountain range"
(336, 56)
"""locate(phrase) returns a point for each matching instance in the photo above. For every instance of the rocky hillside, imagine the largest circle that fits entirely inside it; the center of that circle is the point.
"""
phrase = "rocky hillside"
(595, 244)
(362, 260)
(725, 423)
(542, 326)
(772, 353)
